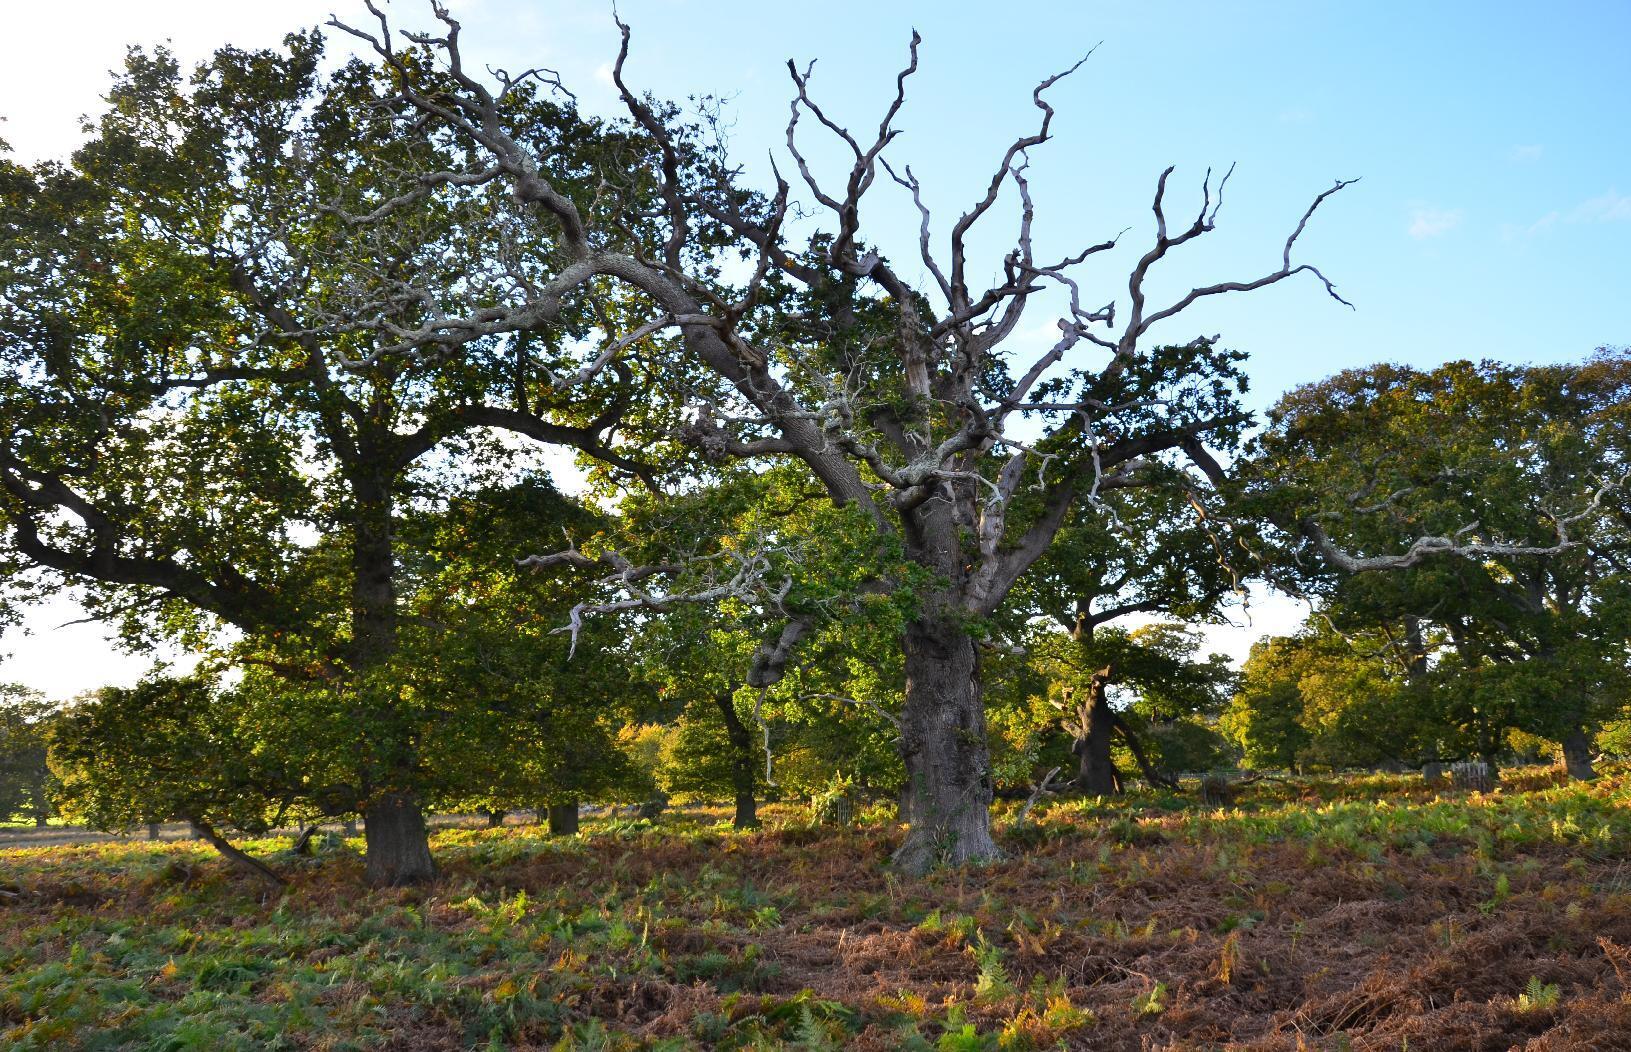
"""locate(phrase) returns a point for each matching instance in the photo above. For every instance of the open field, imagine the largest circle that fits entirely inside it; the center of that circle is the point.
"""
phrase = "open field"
(1365, 913)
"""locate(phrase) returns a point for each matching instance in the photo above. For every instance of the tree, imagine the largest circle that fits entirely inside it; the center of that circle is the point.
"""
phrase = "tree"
(172, 748)
(506, 721)
(1150, 550)
(1321, 700)
(181, 411)
(764, 593)
(823, 354)
(27, 786)
(1162, 724)
(1522, 471)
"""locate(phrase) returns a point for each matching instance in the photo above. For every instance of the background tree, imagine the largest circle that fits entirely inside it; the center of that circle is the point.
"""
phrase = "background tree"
(754, 581)
(180, 415)
(170, 749)
(1144, 551)
(508, 722)
(1522, 470)
(27, 786)
(1322, 700)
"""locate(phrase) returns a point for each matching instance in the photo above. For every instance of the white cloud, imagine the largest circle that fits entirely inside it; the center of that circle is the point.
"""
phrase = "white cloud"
(1610, 207)
(1607, 208)
(1525, 154)
(1543, 224)
(1433, 222)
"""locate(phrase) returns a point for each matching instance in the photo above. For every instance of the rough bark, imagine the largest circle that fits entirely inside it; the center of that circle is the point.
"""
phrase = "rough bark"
(1096, 772)
(943, 742)
(1577, 755)
(397, 845)
(563, 818)
(744, 762)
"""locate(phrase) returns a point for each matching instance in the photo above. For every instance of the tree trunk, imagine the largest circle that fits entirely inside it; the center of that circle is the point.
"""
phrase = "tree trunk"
(152, 830)
(1096, 772)
(744, 762)
(563, 818)
(1577, 755)
(747, 808)
(943, 741)
(398, 845)
(495, 819)
(396, 841)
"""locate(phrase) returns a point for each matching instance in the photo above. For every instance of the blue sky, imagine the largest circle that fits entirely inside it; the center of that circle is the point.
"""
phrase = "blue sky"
(1493, 142)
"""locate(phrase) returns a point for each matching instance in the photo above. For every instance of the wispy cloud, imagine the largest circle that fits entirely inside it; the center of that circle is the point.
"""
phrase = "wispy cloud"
(1543, 224)
(1432, 222)
(1525, 154)
(1611, 207)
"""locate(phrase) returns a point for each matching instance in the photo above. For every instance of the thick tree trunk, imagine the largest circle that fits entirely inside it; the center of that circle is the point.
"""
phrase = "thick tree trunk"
(744, 762)
(563, 818)
(152, 830)
(943, 741)
(396, 840)
(1096, 772)
(1577, 755)
(747, 808)
(495, 819)
(398, 845)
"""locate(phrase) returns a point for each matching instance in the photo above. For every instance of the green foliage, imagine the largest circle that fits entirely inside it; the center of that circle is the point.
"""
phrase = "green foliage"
(170, 749)
(835, 804)
(698, 759)
(28, 788)
(1528, 636)
(1539, 996)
